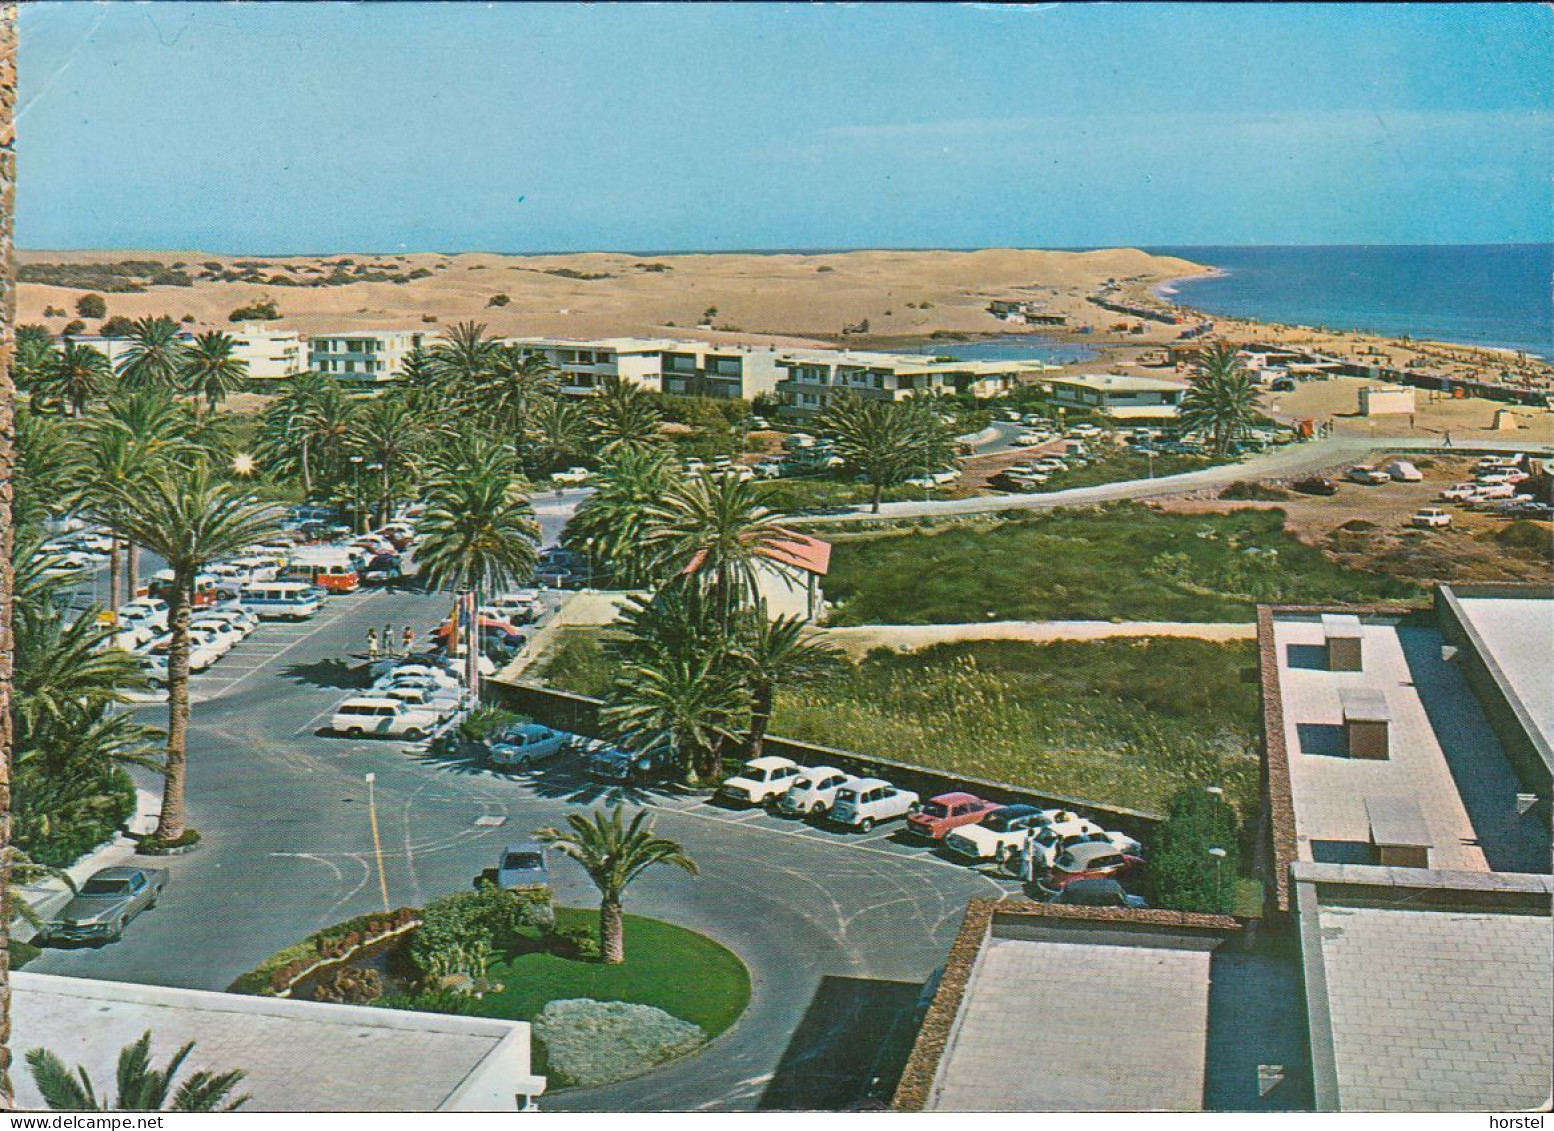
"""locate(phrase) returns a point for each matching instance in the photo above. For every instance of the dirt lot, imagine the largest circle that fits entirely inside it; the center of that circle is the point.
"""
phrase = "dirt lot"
(1368, 528)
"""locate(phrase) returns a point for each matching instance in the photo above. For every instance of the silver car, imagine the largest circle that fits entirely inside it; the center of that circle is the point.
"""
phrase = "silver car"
(105, 904)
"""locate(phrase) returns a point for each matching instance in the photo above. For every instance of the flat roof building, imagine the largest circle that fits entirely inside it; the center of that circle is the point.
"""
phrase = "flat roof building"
(365, 355)
(269, 354)
(1117, 395)
(814, 377)
(687, 368)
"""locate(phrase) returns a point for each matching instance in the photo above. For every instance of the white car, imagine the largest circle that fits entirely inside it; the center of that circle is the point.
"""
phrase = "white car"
(1084, 431)
(1002, 834)
(153, 609)
(1404, 472)
(761, 781)
(223, 632)
(523, 745)
(572, 477)
(202, 654)
(1369, 476)
(235, 615)
(1032, 438)
(865, 802)
(1460, 493)
(375, 715)
(386, 670)
(813, 793)
(441, 703)
(515, 607)
(1491, 491)
(1431, 518)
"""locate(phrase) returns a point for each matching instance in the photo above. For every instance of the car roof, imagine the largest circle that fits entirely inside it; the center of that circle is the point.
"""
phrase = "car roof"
(866, 783)
(956, 797)
(770, 762)
(524, 846)
(821, 771)
(370, 701)
(1084, 853)
(1021, 809)
(532, 728)
(120, 873)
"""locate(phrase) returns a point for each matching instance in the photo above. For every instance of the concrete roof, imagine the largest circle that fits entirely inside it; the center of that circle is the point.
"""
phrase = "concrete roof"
(1080, 1017)
(1519, 634)
(1443, 753)
(1420, 1007)
(1119, 383)
(903, 362)
(298, 1056)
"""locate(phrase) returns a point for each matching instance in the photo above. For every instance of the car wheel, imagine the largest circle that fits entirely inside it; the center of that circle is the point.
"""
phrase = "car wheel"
(353, 732)
(818, 809)
(117, 932)
(866, 825)
(414, 734)
(525, 763)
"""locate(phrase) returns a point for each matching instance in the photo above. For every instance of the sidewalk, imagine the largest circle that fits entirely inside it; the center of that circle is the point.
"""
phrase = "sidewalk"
(585, 607)
(49, 895)
(860, 639)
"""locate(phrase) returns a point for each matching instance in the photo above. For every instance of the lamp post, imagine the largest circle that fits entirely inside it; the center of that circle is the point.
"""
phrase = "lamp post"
(383, 498)
(377, 843)
(1219, 888)
(356, 494)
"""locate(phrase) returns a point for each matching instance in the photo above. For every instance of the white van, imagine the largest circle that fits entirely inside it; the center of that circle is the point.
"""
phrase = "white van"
(381, 716)
(1404, 472)
(281, 600)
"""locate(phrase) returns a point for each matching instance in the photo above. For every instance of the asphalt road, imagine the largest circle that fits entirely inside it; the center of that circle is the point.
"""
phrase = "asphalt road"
(839, 931)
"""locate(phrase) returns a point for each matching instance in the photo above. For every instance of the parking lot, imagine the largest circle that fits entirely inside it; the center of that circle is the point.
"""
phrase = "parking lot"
(287, 849)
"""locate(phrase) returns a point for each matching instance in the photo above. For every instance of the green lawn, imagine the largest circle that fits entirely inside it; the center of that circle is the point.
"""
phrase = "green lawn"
(1119, 465)
(677, 970)
(1120, 562)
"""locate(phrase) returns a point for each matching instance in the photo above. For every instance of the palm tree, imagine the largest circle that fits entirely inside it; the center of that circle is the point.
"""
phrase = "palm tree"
(158, 430)
(141, 1087)
(464, 358)
(387, 436)
(515, 383)
(716, 529)
(478, 532)
(622, 413)
(79, 374)
(190, 517)
(887, 442)
(155, 358)
(689, 701)
(611, 525)
(1222, 400)
(774, 652)
(210, 369)
(614, 854)
(558, 433)
(45, 457)
(287, 423)
(34, 354)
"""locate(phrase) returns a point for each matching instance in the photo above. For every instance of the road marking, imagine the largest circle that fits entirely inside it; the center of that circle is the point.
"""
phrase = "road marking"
(314, 631)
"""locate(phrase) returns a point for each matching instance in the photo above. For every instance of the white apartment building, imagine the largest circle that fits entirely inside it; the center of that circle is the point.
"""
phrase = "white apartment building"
(689, 368)
(270, 354)
(814, 377)
(1118, 395)
(365, 355)
(114, 349)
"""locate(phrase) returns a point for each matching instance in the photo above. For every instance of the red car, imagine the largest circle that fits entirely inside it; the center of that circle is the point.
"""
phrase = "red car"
(937, 817)
(1089, 861)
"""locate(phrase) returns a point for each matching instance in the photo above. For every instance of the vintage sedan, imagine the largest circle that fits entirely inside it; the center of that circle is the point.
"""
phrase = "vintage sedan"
(105, 905)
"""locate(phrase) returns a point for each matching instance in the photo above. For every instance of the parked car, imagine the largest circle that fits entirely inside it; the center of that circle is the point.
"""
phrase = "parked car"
(224, 633)
(611, 763)
(813, 792)
(1491, 491)
(105, 904)
(1404, 472)
(152, 610)
(523, 745)
(1369, 476)
(935, 818)
(572, 477)
(865, 802)
(761, 781)
(1460, 492)
(523, 865)
(1098, 891)
(385, 670)
(518, 607)
(998, 835)
(1431, 518)
(1083, 862)
(1316, 485)
(441, 702)
(382, 716)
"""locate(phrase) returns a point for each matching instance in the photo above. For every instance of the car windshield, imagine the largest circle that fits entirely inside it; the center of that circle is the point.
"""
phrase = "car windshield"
(802, 783)
(522, 861)
(1000, 822)
(105, 887)
(847, 795)
(934, 809)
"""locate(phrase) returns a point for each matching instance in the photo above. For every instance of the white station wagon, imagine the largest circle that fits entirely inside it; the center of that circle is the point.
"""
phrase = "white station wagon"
(761, 781)
(863, 803)
(358, 717)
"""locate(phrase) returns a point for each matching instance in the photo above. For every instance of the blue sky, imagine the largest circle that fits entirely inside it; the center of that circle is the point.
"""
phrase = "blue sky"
(273, 128)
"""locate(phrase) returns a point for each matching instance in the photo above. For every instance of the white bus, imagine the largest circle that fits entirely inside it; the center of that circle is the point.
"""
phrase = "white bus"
(281, 600)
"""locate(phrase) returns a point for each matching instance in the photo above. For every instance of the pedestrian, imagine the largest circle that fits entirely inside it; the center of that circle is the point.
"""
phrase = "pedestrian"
(1447, 444)
(372, 644)
(388, 640)
(1410, 420)
(408, 640)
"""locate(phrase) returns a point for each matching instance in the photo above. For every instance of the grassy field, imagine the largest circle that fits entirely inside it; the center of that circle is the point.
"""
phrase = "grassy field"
(1119, 465)
(816, 493)
(1124, 722)
(1121, 562)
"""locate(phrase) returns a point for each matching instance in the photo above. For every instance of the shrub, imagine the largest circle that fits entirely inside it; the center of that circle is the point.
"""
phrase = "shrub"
(92, 306)
(73, 329)
(263, 311)
(350, 985)
(536, 909)
(580, 942)
(431, 1001)
(277, 972)
(1523, 535)
(117, 327)
(156, 846)
(1183, 874)
(498, 300)
(483, 722)
(591, 1042)
(1254, 492)
(419, 273)
(450, 926)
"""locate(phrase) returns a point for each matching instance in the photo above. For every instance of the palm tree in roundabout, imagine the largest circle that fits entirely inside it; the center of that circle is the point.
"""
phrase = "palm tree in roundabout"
(614, 854)
(190, 516)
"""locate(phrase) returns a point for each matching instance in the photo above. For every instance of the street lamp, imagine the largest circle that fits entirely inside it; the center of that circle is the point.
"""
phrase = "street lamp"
(356, 493)
(377, 843)
(1219, 889)
(383, 499)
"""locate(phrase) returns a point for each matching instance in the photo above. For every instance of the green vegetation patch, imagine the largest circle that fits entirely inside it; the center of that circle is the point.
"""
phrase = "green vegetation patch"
(1120, 562)
(1124, 465)
(1124, 722)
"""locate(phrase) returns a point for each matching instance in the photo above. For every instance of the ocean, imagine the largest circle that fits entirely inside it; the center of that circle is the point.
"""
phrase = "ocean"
(1013, 347)
(1491, 295)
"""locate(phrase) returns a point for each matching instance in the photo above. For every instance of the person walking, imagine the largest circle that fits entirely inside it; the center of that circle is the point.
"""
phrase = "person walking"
(372, 644)
(388, 640)
(407, 641)
(1447, 442)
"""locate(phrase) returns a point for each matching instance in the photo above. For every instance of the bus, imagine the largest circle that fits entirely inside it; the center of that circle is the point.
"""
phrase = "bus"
(207, 589)
(333, 568)
(281, 600)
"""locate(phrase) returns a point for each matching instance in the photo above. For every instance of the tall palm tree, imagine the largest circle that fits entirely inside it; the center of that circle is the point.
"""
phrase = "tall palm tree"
(622, 413)
(157, 425)
(515, 383)
(45, 457)
(689, 701)
(387, 436)
(191, 517)
(140, 1087)
(210, 368)
(155, 358)
(34, 354)
(614, 854)
(887, 442)
(1222, 400)
(718, 530)
(773, 652)
(464, 358)
(611, 525)
(478, 532)
(8, 469)
(79, 374)
(558, 433)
